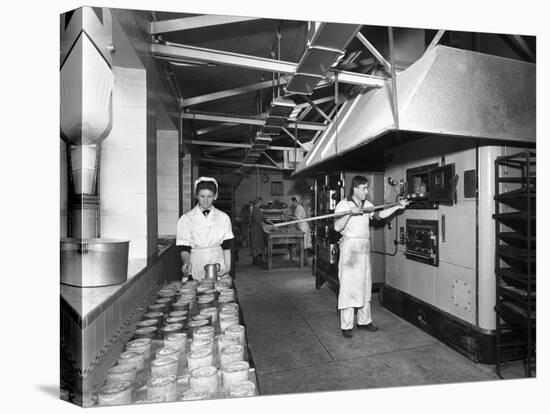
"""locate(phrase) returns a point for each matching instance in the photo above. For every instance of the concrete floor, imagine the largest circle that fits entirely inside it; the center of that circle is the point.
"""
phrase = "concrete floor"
(297, 346)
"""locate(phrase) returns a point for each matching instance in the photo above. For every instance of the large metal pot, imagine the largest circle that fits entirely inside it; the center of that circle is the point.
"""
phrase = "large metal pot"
(94, 262)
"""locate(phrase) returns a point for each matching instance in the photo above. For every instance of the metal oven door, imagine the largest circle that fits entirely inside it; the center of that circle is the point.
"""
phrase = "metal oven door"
(423, 241)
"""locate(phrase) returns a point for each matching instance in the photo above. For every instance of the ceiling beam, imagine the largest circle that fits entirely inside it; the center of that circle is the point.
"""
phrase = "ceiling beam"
(435, 40)
(272, 161)
(317, 101)
(357, 78)
(330, 115)
(518, 40)
(314, 106)
(238, 119)
(239, 164)
(194, 22)
(296, 140)
(301, 110)
(232, 145)
(177, 51)
(196, 100)
(214, 128)
(218, 144)
(374, 51)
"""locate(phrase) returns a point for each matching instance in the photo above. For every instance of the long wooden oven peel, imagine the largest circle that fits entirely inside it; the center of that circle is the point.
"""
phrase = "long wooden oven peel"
(342, 213)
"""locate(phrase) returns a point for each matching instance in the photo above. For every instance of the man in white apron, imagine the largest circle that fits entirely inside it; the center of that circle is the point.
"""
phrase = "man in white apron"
(354, 270)
(205, 233)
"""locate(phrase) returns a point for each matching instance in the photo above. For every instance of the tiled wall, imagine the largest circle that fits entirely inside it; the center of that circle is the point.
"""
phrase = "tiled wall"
(86, 341)
(123, 190)
(194, 175)
(167, 181)
(187, 183)
(152, 114)
(63, 189)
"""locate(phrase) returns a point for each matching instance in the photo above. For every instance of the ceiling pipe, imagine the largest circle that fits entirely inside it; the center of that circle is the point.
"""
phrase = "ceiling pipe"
(233, 145)
(374, 51)
(240, 164)
(247, 120)
(194, 22)
(176, 51)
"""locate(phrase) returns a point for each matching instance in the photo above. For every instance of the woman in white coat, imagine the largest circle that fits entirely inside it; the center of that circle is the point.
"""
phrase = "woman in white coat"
(205, 233)
(354, 270)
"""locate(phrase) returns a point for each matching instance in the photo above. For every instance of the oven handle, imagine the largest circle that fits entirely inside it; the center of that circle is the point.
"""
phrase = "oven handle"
(417, 254)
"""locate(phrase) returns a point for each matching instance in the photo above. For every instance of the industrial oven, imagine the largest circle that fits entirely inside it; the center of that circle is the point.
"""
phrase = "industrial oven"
(435, 261)
(442, 277)
(329, 189)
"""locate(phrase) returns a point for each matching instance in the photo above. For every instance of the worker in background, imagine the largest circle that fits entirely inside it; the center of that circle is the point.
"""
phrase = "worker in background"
(354, 270)
(297, 213)
(205, 233)
(244, 221)
(257, 241)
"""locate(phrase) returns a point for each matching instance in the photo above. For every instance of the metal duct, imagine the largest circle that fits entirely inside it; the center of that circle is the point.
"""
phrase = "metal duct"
(86, 119)
(447, 91)
(86, 76)
(326, 47)
(87, 82)
(277, 117)
(260, 143)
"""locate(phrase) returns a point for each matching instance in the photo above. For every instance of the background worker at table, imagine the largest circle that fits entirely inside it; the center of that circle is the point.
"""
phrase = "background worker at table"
(205, 233)
(298, 212)
(257, 241)
(354, 270)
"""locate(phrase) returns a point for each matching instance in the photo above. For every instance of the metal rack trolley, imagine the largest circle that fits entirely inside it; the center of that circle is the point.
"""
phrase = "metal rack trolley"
(515, 259)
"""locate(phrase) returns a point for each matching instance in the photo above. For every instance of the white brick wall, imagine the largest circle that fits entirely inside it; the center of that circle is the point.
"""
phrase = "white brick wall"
(124, 163)
(167, 181)
(63, 189)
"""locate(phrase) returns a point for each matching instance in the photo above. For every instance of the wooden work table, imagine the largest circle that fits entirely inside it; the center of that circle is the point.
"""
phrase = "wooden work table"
(289, 236)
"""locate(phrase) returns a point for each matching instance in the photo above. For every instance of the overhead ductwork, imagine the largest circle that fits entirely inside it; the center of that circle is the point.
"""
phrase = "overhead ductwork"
(327, 45)
(447, 91)
(278, 114)
(260, 143)
(86, 77)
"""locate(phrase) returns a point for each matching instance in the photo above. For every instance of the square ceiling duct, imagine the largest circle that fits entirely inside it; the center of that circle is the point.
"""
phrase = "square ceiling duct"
(271, 130)
(327, 45)
(318, 60)
(281, 107)
(335, 35)
(303, 83)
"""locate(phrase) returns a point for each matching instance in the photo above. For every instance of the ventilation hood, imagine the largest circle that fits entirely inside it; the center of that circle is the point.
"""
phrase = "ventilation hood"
(447, 91)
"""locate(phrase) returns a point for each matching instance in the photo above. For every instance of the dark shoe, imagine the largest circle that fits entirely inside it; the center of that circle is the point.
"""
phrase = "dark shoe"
(370, 327)
(347, 333)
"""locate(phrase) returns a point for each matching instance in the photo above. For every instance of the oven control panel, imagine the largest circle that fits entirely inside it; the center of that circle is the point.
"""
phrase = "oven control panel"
(422, 241)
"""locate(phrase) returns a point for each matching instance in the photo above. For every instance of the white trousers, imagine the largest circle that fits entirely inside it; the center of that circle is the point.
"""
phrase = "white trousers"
(363, 316)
